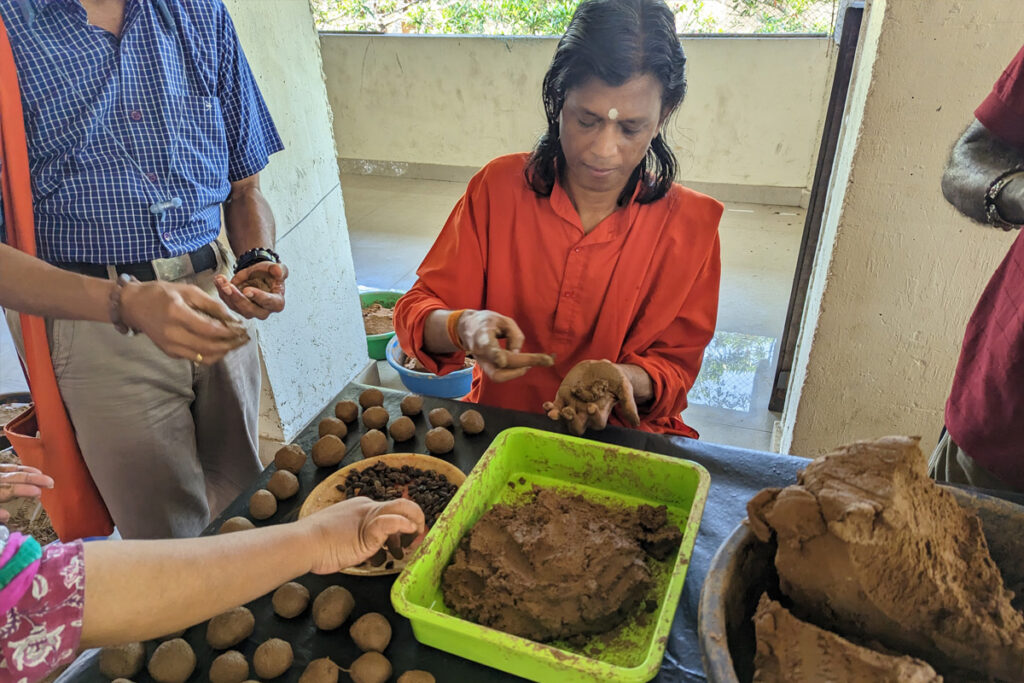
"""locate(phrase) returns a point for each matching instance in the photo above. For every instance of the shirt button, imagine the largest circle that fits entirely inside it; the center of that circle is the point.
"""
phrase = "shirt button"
(576, 250)
(567, 295)
(167, 235)
(135, 115)
(151, 177)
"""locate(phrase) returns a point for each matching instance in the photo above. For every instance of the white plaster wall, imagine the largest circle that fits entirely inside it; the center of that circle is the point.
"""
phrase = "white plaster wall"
(317, 344)
(753, 114)
(899, 271)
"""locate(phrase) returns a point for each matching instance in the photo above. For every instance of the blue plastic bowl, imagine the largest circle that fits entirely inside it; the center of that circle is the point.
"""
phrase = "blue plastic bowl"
(453, 385)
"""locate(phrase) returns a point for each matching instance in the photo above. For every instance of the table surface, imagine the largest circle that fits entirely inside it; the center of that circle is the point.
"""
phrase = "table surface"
(736, 474)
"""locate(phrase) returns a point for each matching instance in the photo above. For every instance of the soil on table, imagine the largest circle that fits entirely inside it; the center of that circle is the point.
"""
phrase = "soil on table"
(557, 566)
(378, 320)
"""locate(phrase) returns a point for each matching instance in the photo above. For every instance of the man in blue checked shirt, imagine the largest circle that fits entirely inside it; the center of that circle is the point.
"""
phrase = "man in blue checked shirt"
(143, 123)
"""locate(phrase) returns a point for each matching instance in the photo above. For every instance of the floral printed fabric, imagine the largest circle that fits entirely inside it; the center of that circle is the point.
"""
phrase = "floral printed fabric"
(43, 629)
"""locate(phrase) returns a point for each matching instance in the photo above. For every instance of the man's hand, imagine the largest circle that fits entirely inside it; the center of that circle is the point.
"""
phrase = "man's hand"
(588, 394)
(256, 291)
(352, 531)
(479, 332)
(182, 320)
(20, 481)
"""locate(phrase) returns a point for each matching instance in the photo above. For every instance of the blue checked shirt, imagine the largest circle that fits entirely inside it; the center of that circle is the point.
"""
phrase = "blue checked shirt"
(115, 125)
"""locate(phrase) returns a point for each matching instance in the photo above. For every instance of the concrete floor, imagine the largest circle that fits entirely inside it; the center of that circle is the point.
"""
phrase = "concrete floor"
(394, 221)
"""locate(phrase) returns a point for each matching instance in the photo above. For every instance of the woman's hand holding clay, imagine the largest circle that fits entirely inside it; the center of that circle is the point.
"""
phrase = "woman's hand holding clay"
(348, 533)
(588, 394)
(480, 332)
(20, 481)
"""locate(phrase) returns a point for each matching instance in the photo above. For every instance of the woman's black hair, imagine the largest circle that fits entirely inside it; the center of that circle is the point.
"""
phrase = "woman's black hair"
(614, 40)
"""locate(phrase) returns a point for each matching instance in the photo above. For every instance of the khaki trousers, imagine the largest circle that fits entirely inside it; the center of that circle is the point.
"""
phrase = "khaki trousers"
(168, 442)
(949, 463)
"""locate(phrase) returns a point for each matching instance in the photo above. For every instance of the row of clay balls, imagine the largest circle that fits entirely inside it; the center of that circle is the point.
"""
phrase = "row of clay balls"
(174, 661)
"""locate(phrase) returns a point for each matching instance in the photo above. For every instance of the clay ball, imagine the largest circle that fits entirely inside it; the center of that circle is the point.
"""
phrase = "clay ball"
(122, 680)
(402, 429)
(173, 661)
(263, 504)
(373, 443)
(290, 600)
(290, 458)
(272, 658)
(346, 411)
(328, 451)
(332, 425)
(332, 607)
(417, 676)
(320, 671)
(472, 422)
(412, 405)
(236, 524)
(375, 417)
(440, 417)
(230, 667)
(122, 661)
(230, 628)
(440, 440)
(372, 667)
(283, 484)
(371, 632)
(370, 398)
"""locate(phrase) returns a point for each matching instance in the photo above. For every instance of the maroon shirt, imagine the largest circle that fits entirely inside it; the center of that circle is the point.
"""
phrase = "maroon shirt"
(985, 411)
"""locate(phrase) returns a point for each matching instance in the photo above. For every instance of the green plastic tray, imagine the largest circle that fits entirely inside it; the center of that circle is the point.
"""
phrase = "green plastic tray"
(601, 472)
(377, 344)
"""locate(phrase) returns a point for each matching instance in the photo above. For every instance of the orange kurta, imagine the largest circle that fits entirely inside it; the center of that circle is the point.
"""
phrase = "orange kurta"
(640, 288)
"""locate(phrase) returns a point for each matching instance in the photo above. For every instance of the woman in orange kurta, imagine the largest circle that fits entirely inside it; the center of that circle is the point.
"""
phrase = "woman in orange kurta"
(585, 249)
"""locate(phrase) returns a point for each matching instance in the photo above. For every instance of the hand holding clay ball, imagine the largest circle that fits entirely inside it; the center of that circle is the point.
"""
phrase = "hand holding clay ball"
(122, 661)
(332, 425)
(290, 600)
(588, 394)
(332, 607)
(320, 671)
(230, 628)
(370, 398)
(272, 658)
(346, 411)
(230, 667)
(283, 484)
(440, 417)
(375, 417)
(371, 632)
(402, 429)
(472, 422)
(373, 443)
(440, 441)
(412, 405)
(372, 667)
(328, 451)
(263, 504)
(290, 458)
(479, 332)
(173, 661)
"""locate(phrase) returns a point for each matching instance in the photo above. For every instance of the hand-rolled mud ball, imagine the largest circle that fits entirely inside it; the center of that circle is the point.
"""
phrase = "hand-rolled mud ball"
(375, 417)
(328, 451)
(346, 411)
(236, 524)
(332, 425)
(371, 632)
(412, 405)
(283, 484)
(332, 607)
(472, 422)
(290, 458)
(122, 661)
(440, 417)
(230, 667)
(228, 629)
(320, 671)
(372, 667)
(290, 600)
(263, 504)
(122, 680)
(272, 658)
(440, 440)
(373, 443)
(402, 429)
(173, 661)
(370, 398)
(417, 676)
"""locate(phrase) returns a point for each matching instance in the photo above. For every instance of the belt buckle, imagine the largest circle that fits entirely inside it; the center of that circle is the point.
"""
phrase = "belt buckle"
(173, 268)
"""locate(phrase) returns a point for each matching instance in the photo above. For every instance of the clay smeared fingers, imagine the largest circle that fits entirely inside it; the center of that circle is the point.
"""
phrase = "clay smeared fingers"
(508, 374)
(578, 425)
(394, 546)
(378, 558)
(269, 301)
(531, 360)
(592, 408)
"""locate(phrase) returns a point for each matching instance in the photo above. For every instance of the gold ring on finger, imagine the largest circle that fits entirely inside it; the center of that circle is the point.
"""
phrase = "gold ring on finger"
(199, 358)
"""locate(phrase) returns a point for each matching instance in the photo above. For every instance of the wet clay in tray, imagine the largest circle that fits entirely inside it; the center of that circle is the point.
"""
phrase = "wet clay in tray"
(557, 565)
(378, 320)
(871, 548)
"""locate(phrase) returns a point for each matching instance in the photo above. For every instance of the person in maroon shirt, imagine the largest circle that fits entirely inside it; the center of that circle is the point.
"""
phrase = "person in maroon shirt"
(984, 440)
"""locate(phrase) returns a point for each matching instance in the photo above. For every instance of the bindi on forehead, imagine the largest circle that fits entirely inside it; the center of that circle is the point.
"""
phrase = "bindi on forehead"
(613, 113)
